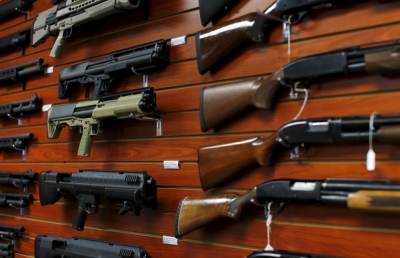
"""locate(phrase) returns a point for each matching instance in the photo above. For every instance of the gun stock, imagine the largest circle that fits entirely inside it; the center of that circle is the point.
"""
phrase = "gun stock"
(217, 43)
(375, 201)
(219, 162)
(222, 102)
(194, 212)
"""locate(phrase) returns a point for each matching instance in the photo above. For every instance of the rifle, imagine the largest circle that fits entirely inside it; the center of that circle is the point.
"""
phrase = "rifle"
(283, 254)
(14, 6)
(19, 73)
(9, 233)
(131, 190)
(219, 162)
(17, 179)
(61, 19)
(50, 246)
(18, 108)
(15, 200)
(367, 195)
(102, 73)
(17, 39)
(90, 115)
(16, 142)
(215, 102)
(219, 42)
(210, 9)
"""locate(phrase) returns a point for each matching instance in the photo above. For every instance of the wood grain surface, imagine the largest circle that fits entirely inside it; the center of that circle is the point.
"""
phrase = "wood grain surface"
(133, 144)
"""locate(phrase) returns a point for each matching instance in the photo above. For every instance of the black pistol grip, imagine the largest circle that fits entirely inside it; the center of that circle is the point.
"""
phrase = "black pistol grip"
(80, 217)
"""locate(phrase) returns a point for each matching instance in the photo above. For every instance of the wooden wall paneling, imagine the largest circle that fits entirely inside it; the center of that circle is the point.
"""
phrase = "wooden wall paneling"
(132, 145)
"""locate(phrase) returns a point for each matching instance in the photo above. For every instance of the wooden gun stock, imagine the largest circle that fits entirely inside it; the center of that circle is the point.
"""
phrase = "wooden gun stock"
(219, 162)
(218, 42)
(194, 212)
(221, 102)
(375, 201)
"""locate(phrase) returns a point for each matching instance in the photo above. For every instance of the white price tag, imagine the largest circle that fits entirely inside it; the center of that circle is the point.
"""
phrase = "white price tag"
(45, 108)
(168, 240)
(171, 164)
(49, 70)
(178, 41)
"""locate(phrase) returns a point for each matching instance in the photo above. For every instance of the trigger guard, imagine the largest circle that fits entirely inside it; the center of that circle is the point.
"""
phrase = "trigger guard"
(89, 209)
(300, 17)
(280, 209)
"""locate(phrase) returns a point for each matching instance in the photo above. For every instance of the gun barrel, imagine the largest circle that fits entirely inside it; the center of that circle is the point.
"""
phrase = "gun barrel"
(12, 228)
(14, 6)
(25, 136)
(17, 39)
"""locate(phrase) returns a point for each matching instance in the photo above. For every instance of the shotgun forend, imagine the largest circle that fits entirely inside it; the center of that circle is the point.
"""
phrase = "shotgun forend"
(220, 42)
(17, 179)
(131, 190)
(15, 200)
(53, 247)
(19, 73)
(217, 163)
(67, 15)
(89, 115)
(9, 233)
(216, 102)
(16, 142)
(18, 108)
(18, 39)
(368, 195)
(103, 73)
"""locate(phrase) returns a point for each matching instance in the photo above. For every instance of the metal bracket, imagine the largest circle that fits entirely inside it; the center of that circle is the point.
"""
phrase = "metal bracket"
(158, 122)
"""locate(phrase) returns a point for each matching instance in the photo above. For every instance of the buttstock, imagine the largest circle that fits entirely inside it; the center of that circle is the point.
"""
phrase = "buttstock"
(223, 102)
(219, 42)
(375, 201)
(220, 162)
(195, 212)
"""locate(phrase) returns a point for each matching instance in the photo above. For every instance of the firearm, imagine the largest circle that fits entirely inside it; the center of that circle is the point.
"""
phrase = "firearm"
(51, 246)
(210, 9)
(90, 115)
(17, 179)
(19, 73)
(219, 162)
(16, 142)
(15, 200)
(14, 6)
(283, 254)
(367, 195)
(9, 233)
(215, 102)
(220, 42)
(17, 39)
(61, 19)
(18, 108)
(131, 190)
(102, 73)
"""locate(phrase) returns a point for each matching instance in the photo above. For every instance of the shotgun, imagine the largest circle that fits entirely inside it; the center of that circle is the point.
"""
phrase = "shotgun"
(220, 42)
(216, 102)
(219, 162)
(367, 195)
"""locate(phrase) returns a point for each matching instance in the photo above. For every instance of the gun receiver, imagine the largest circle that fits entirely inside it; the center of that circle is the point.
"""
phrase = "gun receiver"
(18, 39)
(219, 42)
(19, 73)
(18, 108)
(215, 102)
(368, 195)
(15, 200)
(210, 9)
(131, 190)
(103, 73)
(219, 162)
(14, 6)
(61, 19)
(53, 247)
(90, 115)
(16, 142)
(17, 179)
